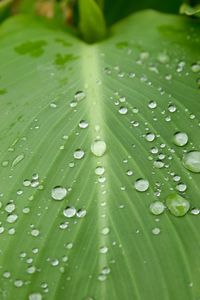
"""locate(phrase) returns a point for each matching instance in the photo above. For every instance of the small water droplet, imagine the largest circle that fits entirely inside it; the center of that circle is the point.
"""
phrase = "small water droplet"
(195, 67)
(123, 110)
(156, 231)
(141, 185)
(157, 208)
(80, 95)
(69, 212)
(181, 187)
(17, 160)
(83, 124)
(172, 108)
(99, 170)
(150, 137)
(191, 161)
(81, 213)
(180, 139)
(58, 193)
(79, 154)
(152, 104)
(98, 148)
(35, 296)
(177, 205)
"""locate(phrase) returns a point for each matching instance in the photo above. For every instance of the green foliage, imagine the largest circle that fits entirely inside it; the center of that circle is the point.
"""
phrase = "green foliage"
(100, 157)
(92, 24)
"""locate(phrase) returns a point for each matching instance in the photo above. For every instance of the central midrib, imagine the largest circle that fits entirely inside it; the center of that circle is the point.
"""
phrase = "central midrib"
(94, 98)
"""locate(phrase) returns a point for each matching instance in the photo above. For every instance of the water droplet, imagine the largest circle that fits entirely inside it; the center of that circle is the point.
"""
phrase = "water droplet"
(191, 161)
(12, 218)
(156, 231)
(17, 160)
(180, 139)
(195, 67)
(35, 232)
(177, 205)
(69, 212)
(78, 154)
(99, 171)
(80, 95)
(58, 193)
(172, 108)
(181, 187)
(150, 137)
(10, 207)
(141, 185)
(31, 270)
(18, 283)
(103, 250)
(35, 296)
(195, 211)
(123, 110)
(157, 208)
(105, 230)
(129, 172)
(152, 104)
(158, 164)
(98, 148)
(81, 213)
(83, 124)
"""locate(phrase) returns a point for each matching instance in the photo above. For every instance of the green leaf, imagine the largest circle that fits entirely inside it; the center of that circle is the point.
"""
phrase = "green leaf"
(92, 24)
(131, 93)
(188, 10)
(118, 9)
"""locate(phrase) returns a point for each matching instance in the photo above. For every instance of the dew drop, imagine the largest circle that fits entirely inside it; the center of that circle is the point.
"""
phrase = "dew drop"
(181, 187)
(12, 218)
(152, 104)
(141, 185)
(79, 154)
(123, 110)
(99, 171)
(150, 137)
(69, 212)
(180, 139)
(17, 160)
(35, 296)
(172, 108)
(58, 193)
(81, 213)
(157, 208)
(83, 124)
(195, 67)
(156, 231)
(98, 148)
(80, 95)
(191, 161)
(177, 205)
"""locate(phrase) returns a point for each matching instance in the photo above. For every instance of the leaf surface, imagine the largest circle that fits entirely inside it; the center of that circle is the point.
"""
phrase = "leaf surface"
(110, 253)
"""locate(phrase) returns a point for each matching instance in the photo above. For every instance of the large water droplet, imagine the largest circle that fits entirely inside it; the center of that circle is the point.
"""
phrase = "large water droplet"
(191, 161)
(141, 185)
(98, 148)
(177, 205)
(58, 193)
(180, 139)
